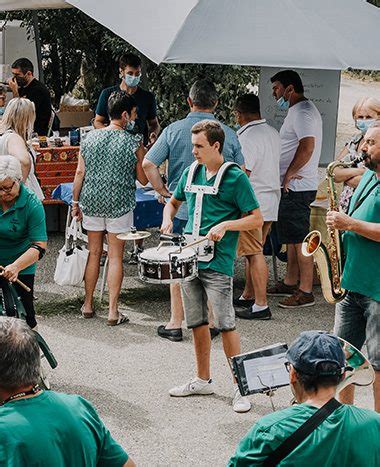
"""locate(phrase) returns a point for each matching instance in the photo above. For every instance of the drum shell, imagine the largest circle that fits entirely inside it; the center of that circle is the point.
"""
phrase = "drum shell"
(160, 271)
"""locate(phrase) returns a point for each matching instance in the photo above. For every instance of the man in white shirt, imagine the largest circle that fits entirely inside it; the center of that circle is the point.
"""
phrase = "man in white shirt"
(261, 150)
(301, 141)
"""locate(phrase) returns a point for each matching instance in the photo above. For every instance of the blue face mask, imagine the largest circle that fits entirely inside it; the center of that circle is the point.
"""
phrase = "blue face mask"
(132, 81)
(130, 125)
(282, 103)
(363, 125)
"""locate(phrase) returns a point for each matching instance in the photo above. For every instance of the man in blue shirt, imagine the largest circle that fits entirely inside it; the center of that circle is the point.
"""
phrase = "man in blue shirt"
(174, 145)
(146, 121)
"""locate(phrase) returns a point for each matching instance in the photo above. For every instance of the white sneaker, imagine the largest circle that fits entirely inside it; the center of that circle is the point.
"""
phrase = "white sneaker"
(240, 403)
(196, 386)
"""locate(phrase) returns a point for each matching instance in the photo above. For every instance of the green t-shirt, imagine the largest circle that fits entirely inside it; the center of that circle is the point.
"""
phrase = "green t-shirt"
(361, 271)
(21, 225)
(235, 198)
(348, 437)
(56, 430)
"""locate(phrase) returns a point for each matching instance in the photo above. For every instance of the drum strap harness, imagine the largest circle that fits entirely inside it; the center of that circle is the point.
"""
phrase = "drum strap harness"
(200, 191)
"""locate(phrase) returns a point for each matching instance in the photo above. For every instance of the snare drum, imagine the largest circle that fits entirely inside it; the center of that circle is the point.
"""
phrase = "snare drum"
(164, 266)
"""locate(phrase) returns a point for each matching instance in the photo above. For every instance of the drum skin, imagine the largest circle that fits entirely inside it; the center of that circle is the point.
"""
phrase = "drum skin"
(163, 265)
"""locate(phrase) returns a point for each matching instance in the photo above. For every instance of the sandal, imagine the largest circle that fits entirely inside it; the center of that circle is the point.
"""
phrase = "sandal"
(87, 315)
(121, 320)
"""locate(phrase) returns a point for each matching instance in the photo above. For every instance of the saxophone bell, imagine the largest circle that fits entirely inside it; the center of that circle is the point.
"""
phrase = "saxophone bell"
(329, 256)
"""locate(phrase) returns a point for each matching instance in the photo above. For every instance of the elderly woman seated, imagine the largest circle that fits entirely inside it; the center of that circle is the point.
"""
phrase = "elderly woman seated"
(22, 232)
(104, 196)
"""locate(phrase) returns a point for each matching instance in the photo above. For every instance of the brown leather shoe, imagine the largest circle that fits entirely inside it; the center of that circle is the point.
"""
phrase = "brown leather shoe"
(298, 300)
(282, 290)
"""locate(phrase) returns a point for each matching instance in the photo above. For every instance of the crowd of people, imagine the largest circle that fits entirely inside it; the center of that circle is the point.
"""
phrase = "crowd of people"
(250, 178)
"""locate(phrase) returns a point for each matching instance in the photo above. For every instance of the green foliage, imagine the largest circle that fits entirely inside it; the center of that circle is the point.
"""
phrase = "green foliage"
(80, 53)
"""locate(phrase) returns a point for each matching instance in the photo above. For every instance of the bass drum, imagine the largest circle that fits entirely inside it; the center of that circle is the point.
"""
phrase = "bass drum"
(165, 265)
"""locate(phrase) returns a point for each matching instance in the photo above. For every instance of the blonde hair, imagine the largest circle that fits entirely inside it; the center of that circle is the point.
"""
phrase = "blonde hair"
(10, 167)
(19, 117)
(370, 102)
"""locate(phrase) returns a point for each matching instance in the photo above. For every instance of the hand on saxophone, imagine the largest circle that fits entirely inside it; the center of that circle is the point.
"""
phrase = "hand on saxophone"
(338, 220)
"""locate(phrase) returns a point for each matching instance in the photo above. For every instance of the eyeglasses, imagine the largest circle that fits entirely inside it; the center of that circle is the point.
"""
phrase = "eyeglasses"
(287, 366)
(7, 189)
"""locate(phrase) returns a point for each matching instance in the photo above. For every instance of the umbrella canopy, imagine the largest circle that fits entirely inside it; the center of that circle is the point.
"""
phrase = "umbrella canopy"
(284, 33)
(5, 5)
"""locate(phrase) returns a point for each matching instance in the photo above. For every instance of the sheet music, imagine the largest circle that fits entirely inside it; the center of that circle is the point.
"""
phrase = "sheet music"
(266, 371)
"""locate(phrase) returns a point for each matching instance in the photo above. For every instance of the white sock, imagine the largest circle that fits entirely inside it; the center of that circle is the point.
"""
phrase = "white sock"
(243, 298)
(202, 380)
(256, 308)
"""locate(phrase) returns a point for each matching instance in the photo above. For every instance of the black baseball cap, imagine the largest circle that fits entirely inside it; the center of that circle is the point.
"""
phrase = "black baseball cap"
(314, 347)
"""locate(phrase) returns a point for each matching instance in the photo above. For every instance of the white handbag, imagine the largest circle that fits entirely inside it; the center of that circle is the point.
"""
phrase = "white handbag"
(72, 259)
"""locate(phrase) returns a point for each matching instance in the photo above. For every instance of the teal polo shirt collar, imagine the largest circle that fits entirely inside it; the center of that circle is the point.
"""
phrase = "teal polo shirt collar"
(20, 201)
(202, 115)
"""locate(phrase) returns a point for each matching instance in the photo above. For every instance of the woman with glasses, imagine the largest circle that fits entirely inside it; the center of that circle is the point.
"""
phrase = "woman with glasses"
(104, 196)
(23, 237)
(16, 129)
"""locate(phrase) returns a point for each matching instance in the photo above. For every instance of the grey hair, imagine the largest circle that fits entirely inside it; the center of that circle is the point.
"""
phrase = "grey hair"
(20, 355)
(203, 94)
(10, 167)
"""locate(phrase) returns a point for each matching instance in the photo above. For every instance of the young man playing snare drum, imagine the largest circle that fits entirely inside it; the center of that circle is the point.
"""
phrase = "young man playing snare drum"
(234, 208)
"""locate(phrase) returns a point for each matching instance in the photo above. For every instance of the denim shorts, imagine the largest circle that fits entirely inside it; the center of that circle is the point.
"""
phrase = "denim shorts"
(210, 286)
(357, 320)
(294, 216)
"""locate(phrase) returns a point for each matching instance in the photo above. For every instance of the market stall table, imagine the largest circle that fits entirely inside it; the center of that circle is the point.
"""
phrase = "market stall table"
(55, 165)
(147, 214)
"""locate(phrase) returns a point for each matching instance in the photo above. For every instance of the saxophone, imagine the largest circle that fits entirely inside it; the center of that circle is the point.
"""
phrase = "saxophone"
(328, 258)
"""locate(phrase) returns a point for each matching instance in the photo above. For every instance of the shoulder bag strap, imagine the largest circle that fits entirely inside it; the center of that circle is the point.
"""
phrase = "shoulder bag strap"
(294, 440)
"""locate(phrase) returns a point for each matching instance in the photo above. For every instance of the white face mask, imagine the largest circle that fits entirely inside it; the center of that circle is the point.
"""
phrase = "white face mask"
(132, 81)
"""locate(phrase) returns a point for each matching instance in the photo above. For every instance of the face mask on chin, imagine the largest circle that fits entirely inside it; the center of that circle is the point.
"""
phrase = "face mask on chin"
(282, 104)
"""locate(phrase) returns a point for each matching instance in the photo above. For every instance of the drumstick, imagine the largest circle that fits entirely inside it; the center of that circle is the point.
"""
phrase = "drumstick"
(2, 268)
(192, 244)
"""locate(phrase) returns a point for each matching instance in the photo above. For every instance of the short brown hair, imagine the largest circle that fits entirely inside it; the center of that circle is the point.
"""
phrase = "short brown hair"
(213, 131)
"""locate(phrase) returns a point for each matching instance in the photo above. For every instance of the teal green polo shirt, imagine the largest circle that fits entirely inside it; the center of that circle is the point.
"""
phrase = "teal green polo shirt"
(21, 225)
(348, 437)
(235, 197)
(56, 430)
(361, 271)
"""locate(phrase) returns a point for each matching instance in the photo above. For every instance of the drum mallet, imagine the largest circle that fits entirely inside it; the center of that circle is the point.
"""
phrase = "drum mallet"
(2, 268)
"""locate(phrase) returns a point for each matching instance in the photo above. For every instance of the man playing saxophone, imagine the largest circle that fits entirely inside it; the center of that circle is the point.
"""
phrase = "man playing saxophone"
(357, 316)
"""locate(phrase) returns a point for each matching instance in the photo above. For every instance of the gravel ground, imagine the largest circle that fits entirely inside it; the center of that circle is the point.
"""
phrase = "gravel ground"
(126, 371)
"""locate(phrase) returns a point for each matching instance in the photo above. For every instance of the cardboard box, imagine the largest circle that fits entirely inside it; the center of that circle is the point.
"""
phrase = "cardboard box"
(75, 119)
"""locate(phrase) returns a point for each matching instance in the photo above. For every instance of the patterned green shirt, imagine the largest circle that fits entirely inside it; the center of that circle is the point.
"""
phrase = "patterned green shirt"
(110, 173)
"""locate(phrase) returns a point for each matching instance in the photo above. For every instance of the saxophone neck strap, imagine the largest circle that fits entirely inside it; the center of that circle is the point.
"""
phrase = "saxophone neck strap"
(363, 196)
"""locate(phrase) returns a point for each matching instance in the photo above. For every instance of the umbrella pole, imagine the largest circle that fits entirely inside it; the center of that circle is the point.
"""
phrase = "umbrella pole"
(38, 46)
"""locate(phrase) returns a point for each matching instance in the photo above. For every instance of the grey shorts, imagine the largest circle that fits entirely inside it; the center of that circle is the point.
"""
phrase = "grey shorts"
(209, 286)
(357, 320)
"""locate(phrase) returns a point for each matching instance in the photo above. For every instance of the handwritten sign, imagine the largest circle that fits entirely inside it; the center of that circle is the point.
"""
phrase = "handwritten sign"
(322, 88)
